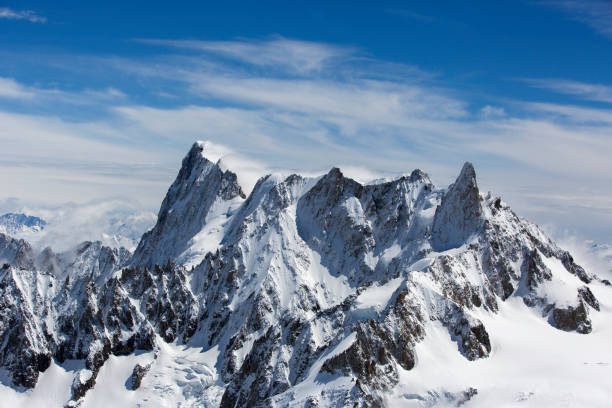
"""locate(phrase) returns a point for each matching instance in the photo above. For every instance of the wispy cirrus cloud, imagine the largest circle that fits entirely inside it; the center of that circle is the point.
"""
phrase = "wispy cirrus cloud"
(339, 111)
(592, 92)
(277, 57)
(595, 13)
(13, 90)
(573, 114)
(28, 15)
(298, 56)
(114, 221)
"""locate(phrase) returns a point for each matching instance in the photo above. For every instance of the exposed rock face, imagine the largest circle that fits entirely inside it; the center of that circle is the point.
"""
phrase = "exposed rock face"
(137, 375)
(572, 319)
(16, 252)
(54, 314)
(460, 214)
(199, 185)
(348, 224)
(311, 280)
(83, 382)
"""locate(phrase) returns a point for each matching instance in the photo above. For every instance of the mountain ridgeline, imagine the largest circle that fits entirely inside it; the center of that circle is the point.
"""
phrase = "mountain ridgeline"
(305, 281)
(12, 223)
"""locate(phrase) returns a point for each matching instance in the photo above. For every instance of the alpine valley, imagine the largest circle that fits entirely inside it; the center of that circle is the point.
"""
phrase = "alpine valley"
(308, 292)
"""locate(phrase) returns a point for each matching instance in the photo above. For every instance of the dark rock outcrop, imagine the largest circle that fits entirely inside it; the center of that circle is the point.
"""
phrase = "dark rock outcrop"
(138, 374)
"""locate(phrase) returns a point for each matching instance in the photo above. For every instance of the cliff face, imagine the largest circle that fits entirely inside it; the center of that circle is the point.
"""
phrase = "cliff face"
(304, 282)
(199, 191)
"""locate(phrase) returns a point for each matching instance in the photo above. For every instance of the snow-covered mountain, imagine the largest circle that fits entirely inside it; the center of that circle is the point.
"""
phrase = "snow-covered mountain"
(308, 292)
(116, 223)
(602, 252)
(13, 224)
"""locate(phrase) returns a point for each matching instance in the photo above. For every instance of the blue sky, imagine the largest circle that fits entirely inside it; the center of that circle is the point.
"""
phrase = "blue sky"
(100, 102)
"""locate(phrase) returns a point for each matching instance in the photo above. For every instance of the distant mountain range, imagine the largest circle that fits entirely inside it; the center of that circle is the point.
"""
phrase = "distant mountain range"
(13, 224)
(113, 223)
(603, 252)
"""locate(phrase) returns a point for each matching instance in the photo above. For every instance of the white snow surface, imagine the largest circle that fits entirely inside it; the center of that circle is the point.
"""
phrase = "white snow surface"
(179, 376)
(532, 363)
(377, 296)
(52, 389)
(209, 238)
(562, 290)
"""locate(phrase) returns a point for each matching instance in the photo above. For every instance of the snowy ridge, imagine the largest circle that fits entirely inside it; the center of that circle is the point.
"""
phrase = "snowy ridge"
(308, 292)
(12, 224)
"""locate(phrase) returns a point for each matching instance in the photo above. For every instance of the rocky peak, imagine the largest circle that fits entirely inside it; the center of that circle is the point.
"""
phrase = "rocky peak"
(460, 214)
(334, 185)
(16, 252)
(93, 260)
(418, 174)
(200, 185)
(197, 178)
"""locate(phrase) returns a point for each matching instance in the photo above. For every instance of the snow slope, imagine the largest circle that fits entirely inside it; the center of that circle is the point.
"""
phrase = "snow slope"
(532, 364)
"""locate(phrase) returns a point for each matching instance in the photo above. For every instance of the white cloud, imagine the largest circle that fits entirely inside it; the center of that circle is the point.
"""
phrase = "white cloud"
(115, 222)
(28, 15)
(61, 160)
(299, 56)
(596, 14)
(594, 258)
(286, 140)
(9, 88)
(592, 92)
(109, 93)
(365, 100)
(548, 146)
(489, 111)
(574, 114)
(247, 170)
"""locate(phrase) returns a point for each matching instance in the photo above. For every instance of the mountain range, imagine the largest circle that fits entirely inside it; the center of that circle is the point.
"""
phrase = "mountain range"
(115, 223)
(308, 292)
(13, 224)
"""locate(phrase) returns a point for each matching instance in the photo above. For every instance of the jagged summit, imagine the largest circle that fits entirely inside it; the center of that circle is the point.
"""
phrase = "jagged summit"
(17, 252)
(200, 188)
(308, 292)
(460, 215)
